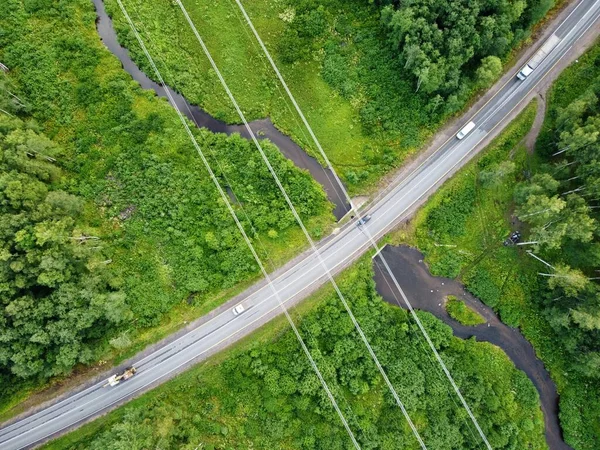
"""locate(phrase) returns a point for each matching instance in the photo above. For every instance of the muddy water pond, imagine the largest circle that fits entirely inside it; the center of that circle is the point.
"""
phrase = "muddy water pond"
(427, 293)
(263, 128)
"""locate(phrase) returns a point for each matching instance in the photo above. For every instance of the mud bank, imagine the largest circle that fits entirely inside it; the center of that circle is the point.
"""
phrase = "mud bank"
(427, 293)
(263, 128)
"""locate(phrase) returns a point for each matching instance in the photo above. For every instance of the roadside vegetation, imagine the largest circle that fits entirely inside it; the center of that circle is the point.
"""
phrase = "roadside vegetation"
(552, 201)
(262, 394)
(461, 312)
(111, 231)
(113, 235)
(374, 78)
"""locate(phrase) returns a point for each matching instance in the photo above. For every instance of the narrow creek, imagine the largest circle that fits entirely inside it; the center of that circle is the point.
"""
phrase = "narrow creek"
(427, 293)
(263, 128)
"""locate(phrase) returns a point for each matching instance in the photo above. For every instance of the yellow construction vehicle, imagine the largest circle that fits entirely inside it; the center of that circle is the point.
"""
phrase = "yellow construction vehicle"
(124, 376)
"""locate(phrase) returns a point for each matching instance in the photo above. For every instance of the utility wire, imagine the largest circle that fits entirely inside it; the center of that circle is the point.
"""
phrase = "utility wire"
(240, 227)
(434, 365)
(372, 241)
(301, 224)
(284, 98)
(311, 337)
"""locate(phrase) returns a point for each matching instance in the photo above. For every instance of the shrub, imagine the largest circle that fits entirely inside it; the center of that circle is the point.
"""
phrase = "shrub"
(448, 218)
(483, 285)
(462, 313)
(447, 265)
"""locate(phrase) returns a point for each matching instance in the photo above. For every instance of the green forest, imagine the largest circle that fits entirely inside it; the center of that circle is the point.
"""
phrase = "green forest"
(113, 236)
(262, 395)
(57, 296)
(552, 197)
(448, 47)
(108, 218)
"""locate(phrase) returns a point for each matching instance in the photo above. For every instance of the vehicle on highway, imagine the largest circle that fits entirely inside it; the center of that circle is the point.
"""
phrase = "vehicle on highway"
(81, 405)
(237, 310)
(123, 376)
(465, 130)
(539, 56)
(363, 220)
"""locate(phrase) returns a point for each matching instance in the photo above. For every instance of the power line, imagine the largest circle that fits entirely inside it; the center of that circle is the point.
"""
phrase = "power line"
(240, 227)
(372, 241)
(241, 205)
(301, 224)
(434, 364)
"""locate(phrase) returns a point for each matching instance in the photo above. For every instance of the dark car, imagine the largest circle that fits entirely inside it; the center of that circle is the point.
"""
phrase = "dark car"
(363, 220)
(514, 238)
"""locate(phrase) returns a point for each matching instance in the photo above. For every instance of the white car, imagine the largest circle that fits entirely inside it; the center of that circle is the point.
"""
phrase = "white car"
(465, 130)
(237, 310)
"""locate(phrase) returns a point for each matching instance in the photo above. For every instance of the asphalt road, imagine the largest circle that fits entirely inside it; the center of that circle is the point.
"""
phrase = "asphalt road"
(304, 276)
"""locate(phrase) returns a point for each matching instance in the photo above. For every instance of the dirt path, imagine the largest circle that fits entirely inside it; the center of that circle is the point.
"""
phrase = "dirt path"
(533, 134)
(427, 293)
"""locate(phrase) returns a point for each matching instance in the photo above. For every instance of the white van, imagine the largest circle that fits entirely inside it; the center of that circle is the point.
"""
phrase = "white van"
(524, 72)
(466, 130)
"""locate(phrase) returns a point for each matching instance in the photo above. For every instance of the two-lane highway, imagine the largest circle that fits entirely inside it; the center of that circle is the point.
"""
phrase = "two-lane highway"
(308, 273)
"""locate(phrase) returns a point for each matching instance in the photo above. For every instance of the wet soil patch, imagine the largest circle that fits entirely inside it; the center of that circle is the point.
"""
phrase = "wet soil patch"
(262, 129)
(427, 293)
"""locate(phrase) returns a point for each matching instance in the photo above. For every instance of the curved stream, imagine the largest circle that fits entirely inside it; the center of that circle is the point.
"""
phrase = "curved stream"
(263, 128)
(427, 293)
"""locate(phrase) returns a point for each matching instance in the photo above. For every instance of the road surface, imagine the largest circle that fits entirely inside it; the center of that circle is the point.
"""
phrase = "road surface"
(302, 278)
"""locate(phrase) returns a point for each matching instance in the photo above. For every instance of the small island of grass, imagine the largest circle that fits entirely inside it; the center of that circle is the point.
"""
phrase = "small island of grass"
(460, 312)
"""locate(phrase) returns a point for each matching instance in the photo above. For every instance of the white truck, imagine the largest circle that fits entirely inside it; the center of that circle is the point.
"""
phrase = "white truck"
(539, 56)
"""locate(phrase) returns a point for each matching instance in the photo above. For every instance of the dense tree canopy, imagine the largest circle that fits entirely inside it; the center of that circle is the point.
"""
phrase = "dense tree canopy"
(443, 43)
(560, 206)
(55, 296)
(268, 396)
(109, 218)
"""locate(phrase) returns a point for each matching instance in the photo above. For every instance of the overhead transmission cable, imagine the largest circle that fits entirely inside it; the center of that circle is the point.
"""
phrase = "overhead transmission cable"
(434, 364)
(231, 185)
(301, 224)
(370, 237)
(240, 227)
(284, 98)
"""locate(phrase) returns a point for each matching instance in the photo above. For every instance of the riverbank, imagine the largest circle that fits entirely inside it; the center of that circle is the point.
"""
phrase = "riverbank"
(427, 292)
(262, 128)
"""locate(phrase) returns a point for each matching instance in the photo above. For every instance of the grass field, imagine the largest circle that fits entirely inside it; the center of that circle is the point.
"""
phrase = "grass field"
(346, 78)
(334, 55)
(359, 154)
